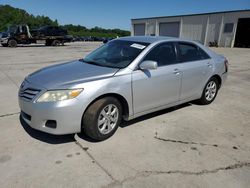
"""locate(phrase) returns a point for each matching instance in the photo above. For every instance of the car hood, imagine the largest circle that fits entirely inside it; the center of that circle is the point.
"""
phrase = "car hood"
(65, 75)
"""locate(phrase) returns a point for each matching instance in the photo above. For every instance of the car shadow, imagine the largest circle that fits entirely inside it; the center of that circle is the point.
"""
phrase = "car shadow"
(45, 137)
(125, 124)
(154, 114)
(60, 139)
(83, 136)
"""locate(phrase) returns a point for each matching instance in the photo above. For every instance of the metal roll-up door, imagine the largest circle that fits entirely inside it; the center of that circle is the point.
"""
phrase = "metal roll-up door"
(139, 29)
(171, 29)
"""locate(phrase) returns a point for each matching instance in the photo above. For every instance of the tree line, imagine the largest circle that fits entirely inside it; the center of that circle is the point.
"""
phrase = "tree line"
(14, 16)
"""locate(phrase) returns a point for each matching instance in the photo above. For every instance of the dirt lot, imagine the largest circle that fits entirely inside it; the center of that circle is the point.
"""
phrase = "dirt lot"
(185, 146)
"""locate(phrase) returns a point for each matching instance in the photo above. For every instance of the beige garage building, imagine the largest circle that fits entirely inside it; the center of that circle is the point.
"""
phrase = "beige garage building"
(225, 29)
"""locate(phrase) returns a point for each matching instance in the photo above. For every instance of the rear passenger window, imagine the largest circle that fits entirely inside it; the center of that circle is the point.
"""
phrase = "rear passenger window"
(190, 52)
(163, 54)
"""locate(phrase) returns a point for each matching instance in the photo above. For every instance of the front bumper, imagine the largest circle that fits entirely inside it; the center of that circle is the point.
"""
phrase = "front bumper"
(67, 114)
(4, 40)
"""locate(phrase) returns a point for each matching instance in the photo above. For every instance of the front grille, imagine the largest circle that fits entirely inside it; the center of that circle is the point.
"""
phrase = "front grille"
(29, 93)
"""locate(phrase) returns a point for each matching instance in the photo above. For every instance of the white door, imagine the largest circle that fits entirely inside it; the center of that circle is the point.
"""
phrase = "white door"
(170, 29)
(139, 29)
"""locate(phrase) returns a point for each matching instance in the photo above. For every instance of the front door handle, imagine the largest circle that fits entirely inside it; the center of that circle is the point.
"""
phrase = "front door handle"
(176, 71)
(209, 65)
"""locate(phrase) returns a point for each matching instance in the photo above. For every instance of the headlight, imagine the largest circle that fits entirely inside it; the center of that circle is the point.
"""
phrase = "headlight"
(59, 95)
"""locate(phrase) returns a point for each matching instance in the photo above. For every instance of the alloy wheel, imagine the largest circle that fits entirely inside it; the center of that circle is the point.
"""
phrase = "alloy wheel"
(108, 118)
(210, 91)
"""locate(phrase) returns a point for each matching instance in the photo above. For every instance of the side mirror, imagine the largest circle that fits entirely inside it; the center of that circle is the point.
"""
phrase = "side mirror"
(148, 65)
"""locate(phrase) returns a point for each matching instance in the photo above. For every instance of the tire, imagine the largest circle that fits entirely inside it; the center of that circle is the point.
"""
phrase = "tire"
(98, 121)
(12, 43)
(210, 91)
(5, 45)
(56, 43)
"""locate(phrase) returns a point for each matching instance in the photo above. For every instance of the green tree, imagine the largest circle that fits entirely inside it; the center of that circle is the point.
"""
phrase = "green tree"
(10, 15)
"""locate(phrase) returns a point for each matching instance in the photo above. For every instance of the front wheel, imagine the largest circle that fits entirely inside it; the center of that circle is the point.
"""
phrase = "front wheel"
(210, 91)
(102, 118)
(12, 43)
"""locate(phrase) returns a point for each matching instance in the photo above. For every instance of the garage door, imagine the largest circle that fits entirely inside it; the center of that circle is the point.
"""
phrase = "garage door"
(171, 29)
(139, 29)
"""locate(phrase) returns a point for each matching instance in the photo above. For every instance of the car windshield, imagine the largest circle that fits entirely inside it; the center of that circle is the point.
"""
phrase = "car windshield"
(12, 29)
(116, 54)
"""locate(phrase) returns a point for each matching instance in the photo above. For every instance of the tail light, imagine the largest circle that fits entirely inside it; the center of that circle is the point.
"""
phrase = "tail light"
(226, 65)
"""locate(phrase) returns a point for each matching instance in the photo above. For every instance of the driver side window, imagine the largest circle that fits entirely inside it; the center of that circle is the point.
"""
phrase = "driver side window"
(163, 54)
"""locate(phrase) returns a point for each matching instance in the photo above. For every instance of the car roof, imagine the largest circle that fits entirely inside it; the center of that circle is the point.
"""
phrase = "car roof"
(156, 39)
(146, 39)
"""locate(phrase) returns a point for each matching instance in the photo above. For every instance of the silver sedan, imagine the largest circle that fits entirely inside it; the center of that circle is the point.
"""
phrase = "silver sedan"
(123, 79)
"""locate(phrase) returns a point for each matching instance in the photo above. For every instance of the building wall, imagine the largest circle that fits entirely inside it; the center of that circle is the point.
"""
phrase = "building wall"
(151, 27)
(194, 28)
(203, 28)
(213, 29)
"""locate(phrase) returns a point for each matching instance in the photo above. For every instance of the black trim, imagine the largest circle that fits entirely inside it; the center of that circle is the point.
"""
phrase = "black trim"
(176, 47)
(161, 43)
(51, 124)
(191, 44)
(25, 116)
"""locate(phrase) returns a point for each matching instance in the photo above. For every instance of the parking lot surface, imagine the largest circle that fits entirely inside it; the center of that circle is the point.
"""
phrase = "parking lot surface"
(185, 146)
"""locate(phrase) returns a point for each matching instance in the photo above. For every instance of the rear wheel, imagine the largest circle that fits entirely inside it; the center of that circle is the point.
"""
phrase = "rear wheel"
(12, 43)
(56, 43)
(210, 91)
(102, 118)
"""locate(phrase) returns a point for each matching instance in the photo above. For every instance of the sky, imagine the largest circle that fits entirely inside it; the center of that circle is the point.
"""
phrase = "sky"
(118, 14)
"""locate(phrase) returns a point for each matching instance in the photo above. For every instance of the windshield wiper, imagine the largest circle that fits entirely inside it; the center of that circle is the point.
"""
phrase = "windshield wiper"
(96, 63)
(90, 62)
(99, 64)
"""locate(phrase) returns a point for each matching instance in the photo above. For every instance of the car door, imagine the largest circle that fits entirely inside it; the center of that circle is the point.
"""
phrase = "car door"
(196, 67)
(156, 88)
